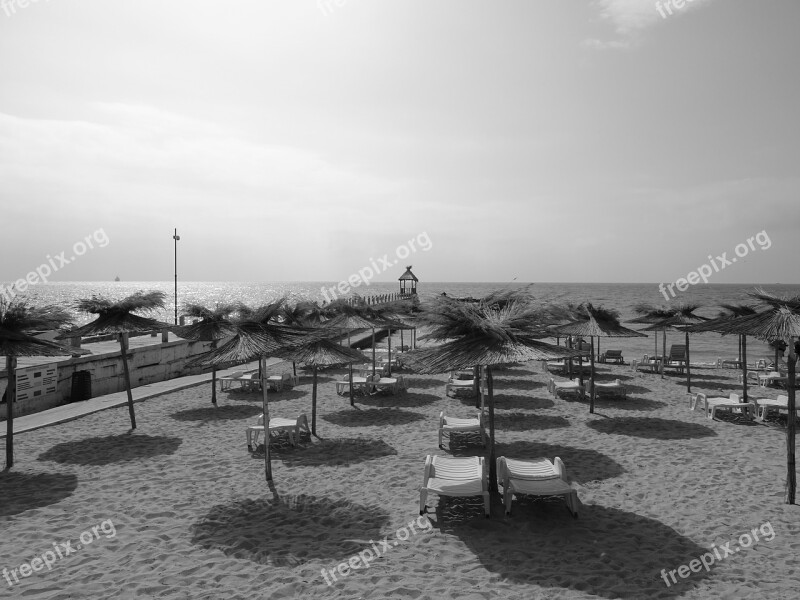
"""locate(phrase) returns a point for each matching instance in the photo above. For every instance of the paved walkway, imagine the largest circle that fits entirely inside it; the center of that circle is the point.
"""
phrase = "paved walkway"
(75, 410)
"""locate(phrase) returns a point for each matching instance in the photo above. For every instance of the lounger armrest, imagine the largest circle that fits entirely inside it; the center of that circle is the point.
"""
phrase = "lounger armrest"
(502, 473)
(441, 419)
(428, 470)
(561, 469)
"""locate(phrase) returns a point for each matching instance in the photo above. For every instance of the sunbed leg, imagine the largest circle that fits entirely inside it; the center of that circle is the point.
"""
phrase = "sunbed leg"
(423, 497)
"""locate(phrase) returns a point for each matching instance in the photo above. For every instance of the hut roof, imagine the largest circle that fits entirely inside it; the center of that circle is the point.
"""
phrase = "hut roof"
(408, 275)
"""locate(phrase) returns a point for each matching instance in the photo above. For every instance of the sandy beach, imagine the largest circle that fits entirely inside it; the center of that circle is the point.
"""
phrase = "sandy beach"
(181, 508)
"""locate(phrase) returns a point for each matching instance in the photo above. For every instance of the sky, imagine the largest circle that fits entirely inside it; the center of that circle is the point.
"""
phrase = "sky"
(303, 140)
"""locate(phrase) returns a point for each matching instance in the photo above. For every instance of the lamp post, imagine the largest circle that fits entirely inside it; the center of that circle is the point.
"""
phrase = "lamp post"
(176, 237)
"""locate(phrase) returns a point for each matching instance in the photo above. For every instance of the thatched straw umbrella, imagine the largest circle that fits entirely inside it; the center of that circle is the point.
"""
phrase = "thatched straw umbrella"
(356, 316)
(596, 322)
(779, 321)
(728, 325)
(484, 334)
(214, 325)
(684, 315)
(669, 318)
(17, 320)
(317, 353)
(118, 318)
(257, 336)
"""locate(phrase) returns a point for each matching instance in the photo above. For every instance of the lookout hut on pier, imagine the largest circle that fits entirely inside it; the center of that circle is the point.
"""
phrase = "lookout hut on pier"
(408, 283)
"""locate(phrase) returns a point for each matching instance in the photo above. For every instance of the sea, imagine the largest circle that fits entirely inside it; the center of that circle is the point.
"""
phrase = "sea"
(623, 297)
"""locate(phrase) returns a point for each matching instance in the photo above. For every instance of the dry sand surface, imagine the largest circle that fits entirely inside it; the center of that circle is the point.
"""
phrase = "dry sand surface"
(193, 517)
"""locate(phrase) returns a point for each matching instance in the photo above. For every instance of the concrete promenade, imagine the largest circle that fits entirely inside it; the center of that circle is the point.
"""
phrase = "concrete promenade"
(76, 410)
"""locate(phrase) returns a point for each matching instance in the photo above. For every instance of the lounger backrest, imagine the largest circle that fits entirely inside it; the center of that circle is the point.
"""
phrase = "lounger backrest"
(783, 398)
(677, 351)
(613, 353)
(734, 397)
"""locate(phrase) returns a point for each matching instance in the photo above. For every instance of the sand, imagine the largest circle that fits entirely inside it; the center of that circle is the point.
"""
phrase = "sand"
(192, 516)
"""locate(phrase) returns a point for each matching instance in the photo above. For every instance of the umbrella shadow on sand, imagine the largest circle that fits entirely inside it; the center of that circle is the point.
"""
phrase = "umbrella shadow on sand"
(423, 383)
(333, 451)
(613, 553)
(100, 451)
(26, 491)
(651, 428)
(372, 416)
(516, 421)
(623, 403)
(515, 401)
(583, 464)
(229, 412)
(290, 530)
(408, 400)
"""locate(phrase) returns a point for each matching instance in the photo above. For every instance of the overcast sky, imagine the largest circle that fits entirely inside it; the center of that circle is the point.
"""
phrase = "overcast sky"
(543, 140)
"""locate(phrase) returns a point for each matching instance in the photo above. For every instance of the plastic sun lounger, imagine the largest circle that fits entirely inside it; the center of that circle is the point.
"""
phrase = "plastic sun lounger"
(389, 384)
(456, 477)
(774, 377)
(567, 387)
(448, 425)
(226, 382)
(278, 382)
(360, 385)
(459, 385)
(764, 405)
(614, 388)
(277, 424)
(537, 477)
(609, 356)
(712, 405)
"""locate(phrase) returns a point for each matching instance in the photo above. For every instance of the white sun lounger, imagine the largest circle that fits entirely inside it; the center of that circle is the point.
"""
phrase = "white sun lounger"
(764, 405)
(536, 477)
(448, 425)
(292, 427)
(455, 476)
(567, 387)
(225, 382)
(712, 405)
(613, 388)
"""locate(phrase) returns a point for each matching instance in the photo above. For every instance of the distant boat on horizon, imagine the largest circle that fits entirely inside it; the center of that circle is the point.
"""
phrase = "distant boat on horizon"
(117, 278)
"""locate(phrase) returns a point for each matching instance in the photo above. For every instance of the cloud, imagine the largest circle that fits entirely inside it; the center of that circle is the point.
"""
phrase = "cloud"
(631, 17)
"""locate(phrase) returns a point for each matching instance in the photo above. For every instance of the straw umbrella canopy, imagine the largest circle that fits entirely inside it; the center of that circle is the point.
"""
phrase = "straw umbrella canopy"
(484, 334)
(729, 324)
(684, 315)
(357, 316)
(317, 353)
(17, 320)
(118, 318)
(669, 318)
(779, 321)
(596, 322)
(257, 336)
(214, 324)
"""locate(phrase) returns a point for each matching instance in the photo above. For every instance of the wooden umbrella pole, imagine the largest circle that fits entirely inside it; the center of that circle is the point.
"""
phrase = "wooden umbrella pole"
(265, 406)
(664, 352)
(492, 461)
(591, 396)
(744, 368)
(791, 475)
(214, 377)
(389, 359)
(688, 367)
(11, 398)
(373, 352)
(314, 402)
(124, 351)
(476, 376)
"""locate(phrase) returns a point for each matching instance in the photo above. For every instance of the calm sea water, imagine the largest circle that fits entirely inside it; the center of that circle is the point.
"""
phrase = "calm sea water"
(620, 296)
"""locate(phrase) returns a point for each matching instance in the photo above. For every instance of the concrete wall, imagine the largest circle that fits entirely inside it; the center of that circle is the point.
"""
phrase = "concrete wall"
(147, 364)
